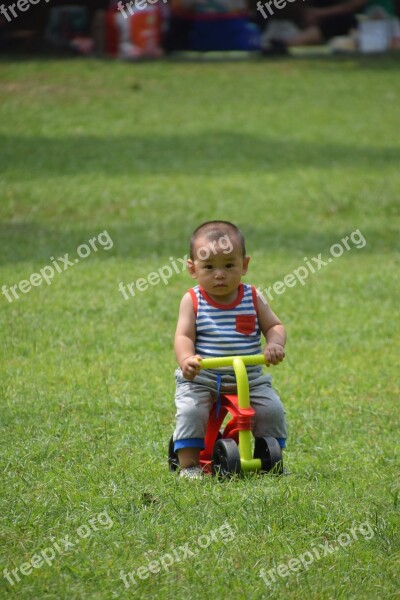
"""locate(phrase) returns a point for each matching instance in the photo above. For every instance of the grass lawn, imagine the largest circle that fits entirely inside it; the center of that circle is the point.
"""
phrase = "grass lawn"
(300, 154)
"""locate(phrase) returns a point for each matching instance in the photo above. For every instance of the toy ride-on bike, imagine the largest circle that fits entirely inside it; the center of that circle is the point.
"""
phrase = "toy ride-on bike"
(229, 452)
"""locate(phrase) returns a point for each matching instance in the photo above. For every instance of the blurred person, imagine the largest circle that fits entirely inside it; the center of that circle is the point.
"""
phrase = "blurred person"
(323, 21)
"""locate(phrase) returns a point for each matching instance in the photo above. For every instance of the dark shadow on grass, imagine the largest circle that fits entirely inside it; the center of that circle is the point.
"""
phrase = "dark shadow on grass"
(314, 58)
(158, 241)
(375, 62)
(310, 57)
(210, 153)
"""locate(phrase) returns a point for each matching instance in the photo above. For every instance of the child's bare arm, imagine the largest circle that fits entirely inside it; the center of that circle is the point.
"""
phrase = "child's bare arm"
(185, 337)
(273, 330)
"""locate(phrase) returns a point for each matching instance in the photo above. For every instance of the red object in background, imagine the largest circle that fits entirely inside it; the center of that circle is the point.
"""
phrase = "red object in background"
(112, 35)
(144, 28)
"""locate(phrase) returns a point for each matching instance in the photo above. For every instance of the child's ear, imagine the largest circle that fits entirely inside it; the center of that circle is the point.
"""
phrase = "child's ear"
(245, 264)
(191, 268)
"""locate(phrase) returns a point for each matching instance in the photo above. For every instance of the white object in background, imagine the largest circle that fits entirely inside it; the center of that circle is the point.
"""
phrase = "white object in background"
(125, 47)
(374, 35)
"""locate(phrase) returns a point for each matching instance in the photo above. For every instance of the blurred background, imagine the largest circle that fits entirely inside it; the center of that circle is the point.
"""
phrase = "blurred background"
(136, 29)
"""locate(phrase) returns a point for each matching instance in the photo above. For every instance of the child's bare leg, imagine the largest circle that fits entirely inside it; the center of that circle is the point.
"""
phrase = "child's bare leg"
(189, 457)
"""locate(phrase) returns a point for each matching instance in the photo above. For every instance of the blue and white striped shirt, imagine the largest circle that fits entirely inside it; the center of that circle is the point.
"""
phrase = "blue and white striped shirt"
(227, 329)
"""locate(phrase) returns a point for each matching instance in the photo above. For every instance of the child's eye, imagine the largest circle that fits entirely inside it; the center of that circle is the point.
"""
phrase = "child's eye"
(229, 265)
(208, 267)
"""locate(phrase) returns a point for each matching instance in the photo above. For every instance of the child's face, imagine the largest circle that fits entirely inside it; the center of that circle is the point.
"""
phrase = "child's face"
(218, 269)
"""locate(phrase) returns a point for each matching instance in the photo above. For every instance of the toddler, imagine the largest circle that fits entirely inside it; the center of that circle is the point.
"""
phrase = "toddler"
(221, 316)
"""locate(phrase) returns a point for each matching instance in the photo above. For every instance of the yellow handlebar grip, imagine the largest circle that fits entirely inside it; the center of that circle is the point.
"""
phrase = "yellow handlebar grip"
(227, 361)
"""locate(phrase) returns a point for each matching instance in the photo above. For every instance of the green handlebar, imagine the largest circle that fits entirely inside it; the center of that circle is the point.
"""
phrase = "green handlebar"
(227, 361)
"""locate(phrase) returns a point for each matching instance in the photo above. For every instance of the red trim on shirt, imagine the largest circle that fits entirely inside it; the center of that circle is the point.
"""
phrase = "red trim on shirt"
(194, 300)
(233, 304)
(255, 298)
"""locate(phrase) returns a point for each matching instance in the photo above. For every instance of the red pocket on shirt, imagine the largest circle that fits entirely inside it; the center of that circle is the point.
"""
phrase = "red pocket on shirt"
(245, 324)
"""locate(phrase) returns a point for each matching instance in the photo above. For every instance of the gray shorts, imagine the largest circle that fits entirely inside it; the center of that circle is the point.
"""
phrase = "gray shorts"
(194, 400)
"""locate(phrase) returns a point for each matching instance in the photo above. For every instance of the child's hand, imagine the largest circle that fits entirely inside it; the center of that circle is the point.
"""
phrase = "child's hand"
(274, 353)
(191, 366)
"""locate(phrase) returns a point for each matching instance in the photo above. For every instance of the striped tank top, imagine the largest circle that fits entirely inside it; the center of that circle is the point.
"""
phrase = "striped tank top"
(227, 329)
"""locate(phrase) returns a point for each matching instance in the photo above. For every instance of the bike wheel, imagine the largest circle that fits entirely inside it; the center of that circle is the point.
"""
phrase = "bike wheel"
(269, 452)
(226, 458)
(173, 462)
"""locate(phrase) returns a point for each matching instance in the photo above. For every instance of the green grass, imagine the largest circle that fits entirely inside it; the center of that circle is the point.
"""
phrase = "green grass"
(299, 154)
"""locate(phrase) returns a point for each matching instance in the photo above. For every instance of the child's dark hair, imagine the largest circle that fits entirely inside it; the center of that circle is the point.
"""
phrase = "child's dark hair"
(214, 230)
